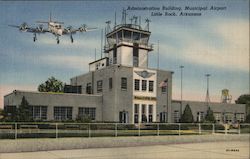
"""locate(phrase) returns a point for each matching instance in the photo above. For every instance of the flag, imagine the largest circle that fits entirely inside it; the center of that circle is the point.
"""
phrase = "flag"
(164, 83)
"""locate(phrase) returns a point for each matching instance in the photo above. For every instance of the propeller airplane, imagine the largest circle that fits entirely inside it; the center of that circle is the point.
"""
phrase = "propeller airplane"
(54, 27)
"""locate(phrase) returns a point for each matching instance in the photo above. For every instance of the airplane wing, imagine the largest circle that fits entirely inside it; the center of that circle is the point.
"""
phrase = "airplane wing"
(25, 28)
(71, 30)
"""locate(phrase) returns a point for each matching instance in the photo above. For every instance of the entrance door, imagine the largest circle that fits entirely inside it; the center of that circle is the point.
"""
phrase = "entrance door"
(163, 117)
(123, 117)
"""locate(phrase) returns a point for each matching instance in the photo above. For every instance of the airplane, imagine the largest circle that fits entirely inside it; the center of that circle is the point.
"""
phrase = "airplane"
(54, 28)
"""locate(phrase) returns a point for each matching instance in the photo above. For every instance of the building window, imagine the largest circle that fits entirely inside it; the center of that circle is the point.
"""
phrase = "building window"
(176, 116)
(63, 113)
(99, 86)
(137, 84)
(217, 116)
(163, 89)
(143, 117)
(124, 83)
(240, 117)
(144, 85)
(151, 86)
(150, 113)
(89, 88)
(87, 113)
(200, 116)
(228, 117)
(39, 112)
(110, 83)
(115, 54)
(163, 117)
(136, 112)
(135, 55)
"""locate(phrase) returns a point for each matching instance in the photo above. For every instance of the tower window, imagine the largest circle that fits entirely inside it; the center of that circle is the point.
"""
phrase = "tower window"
(110, 83)
(137, 84)
(144, 85)
(89, 88)
(135, 55)
(99, 86)
(115, 54)
(124, 83)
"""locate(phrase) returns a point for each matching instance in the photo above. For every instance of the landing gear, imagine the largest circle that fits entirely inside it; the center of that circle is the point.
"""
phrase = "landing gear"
(71, 37)
(34, 38)
(57, 40)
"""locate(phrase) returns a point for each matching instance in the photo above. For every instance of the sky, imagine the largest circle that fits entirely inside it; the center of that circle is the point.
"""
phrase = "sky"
(216, 43)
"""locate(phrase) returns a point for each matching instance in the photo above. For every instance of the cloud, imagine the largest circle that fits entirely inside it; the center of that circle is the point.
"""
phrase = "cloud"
(68, 61)
(233, 54)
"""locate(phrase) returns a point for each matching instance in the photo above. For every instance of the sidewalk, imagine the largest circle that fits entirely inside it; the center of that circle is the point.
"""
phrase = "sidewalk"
(31, 145)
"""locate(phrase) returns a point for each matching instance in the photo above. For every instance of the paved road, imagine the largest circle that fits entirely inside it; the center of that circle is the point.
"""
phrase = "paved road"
(208, 150)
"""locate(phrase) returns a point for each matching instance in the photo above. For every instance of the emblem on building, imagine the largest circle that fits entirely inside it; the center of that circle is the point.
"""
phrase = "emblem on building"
(144, 73)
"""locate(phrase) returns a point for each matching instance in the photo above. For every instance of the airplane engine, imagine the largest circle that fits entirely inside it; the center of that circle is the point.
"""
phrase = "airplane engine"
(23, 27)
(69, 29)
(83, 28)
(40, 28)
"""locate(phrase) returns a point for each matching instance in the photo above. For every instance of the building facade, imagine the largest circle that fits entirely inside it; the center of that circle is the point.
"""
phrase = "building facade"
(119, 88)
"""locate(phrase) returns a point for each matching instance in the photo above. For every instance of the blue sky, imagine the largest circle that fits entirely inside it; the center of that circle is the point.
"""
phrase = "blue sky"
(216, 42)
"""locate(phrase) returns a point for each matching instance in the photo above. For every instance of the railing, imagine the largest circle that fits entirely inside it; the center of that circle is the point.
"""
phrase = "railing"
(58, 130)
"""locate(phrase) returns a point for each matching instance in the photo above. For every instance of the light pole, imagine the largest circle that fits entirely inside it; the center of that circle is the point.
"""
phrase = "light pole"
(181, 67)
(207, 95)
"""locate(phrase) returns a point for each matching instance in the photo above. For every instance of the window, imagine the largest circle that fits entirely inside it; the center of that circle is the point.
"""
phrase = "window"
(176, 116)
(123, 83)
(39, 112)
(163, 117)
(99, 86)
(87, 113)
(136, 109)
(150, 113)
(135, 55)
(200, 116)
(89, 88)
(137, 84)
(136, 112)
(239, 117)
(115, 54)
(150, 109)
(110, 83)
(144, 85)
(163, 89)
(143, 109)
(63, 113)
(217, 116)
(151, 86)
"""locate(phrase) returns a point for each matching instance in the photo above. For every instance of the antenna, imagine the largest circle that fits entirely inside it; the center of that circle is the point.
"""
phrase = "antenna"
(207, 95)
(115, 21)
(50, 19)
(158, 55)
(95, 54)
(147, 21)
(101, 42)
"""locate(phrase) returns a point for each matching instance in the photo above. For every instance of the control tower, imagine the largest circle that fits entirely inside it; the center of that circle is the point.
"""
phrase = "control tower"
(128, 44)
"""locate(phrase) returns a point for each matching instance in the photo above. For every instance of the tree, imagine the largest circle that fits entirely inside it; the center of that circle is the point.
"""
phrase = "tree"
(23, 111)
(247, 118)
(209, 116)
(51, 85)
(2, 114)
(187, 116)
(243, 99)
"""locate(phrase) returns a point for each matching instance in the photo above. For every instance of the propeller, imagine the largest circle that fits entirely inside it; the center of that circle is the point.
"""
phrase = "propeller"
(23, 27)
(69, 28)
(83, 28)
(40, 28)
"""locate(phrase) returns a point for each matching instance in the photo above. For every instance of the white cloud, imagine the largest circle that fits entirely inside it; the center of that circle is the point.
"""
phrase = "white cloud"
(232, 55)
(69, 61)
